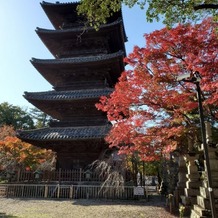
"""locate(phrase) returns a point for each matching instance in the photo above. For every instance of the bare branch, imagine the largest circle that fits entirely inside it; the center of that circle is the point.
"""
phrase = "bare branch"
(205, 6)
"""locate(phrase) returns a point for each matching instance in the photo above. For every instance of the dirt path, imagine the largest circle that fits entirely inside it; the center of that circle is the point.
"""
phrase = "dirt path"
(30, 208)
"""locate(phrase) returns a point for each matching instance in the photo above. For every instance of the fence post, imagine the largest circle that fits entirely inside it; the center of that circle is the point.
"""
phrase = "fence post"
(46, 191)
(22, 192)
(146, 193)
(18, 174)
(80, 174)
(59, 175)
(58, 194)
(71, 192)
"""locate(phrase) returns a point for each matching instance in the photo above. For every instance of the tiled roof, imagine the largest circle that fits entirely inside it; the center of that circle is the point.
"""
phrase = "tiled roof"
(68, 95)
(58, 3)
(78, 29)
(61, 12)
(69, 133)
(79, 60)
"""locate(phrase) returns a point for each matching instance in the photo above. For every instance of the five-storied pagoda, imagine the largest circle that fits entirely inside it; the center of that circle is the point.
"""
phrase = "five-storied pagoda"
(86, 65)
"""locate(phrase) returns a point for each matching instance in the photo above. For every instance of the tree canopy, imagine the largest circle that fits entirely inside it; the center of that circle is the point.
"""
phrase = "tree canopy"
(152, 112)
(171, 12)
(40, 118)
(15, 154)
(20, 118)
(15, 116)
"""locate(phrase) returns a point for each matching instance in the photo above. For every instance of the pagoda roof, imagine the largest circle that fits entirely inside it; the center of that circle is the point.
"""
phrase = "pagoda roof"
(79, 60)
(65, 14)
(79, 29)
(71, 42)
(60, 13)
(69, 105)
(67, 95)
(64, 133)
(66, 70)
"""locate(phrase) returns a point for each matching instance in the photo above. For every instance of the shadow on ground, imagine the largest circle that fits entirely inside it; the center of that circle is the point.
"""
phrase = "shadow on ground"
(157, 201)
(152, 201)
(3, 215)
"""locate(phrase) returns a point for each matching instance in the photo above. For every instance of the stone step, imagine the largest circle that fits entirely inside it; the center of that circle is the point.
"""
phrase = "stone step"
(188, 200)
(194, 184)
(201, 211)
(193, 200)
(215, 183)
(213, 165)
(192, 191)
(204, 192)
(195, 214)
(195, 176)
(204, 202)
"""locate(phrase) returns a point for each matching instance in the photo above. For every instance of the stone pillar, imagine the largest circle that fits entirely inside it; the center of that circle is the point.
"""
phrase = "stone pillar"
(181, 184)
(202, 208)
(172, 174)
(164, 183)
(192, 184)
(169, 176)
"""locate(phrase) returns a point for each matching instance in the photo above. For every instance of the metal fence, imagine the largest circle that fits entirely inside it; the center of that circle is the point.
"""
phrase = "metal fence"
(51, 191)
(24, 176)
(66, 176)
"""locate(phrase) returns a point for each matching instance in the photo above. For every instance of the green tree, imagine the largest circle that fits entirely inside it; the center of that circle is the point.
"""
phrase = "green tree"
(15, 116)
(40, 118)
(172, 12)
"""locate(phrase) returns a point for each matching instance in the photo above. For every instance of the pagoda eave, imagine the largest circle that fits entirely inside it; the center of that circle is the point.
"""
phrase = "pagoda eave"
(70, 135)
(61, 42)
(98, 59)
(63, 15)
(69, 105)
(62, 71)
(74, 95)
(59, 13)
(60, 33)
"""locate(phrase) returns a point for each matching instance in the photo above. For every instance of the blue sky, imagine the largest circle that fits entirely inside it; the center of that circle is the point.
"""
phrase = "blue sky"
(19, 43)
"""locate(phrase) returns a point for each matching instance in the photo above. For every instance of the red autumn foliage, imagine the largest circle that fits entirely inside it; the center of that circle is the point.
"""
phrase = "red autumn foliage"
(15, 153)
(6, 131)
(152, 112)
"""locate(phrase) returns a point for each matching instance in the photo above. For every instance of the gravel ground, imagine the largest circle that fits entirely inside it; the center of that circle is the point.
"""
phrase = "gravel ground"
(32, 208)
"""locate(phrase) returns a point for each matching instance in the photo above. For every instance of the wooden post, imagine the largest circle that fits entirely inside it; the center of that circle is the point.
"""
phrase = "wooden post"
(146, 192)
(80, 174)
(18, 175)
(170, 196)
(71, 192)
(22, 190)
(58, 194)
(46, 191)
(59, 175)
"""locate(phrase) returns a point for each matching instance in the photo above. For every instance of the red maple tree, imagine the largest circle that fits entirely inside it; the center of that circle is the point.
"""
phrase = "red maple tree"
(16, 154)
(153, 113)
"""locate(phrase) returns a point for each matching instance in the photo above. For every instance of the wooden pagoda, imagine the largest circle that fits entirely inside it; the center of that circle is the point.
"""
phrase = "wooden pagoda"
(86, 65)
